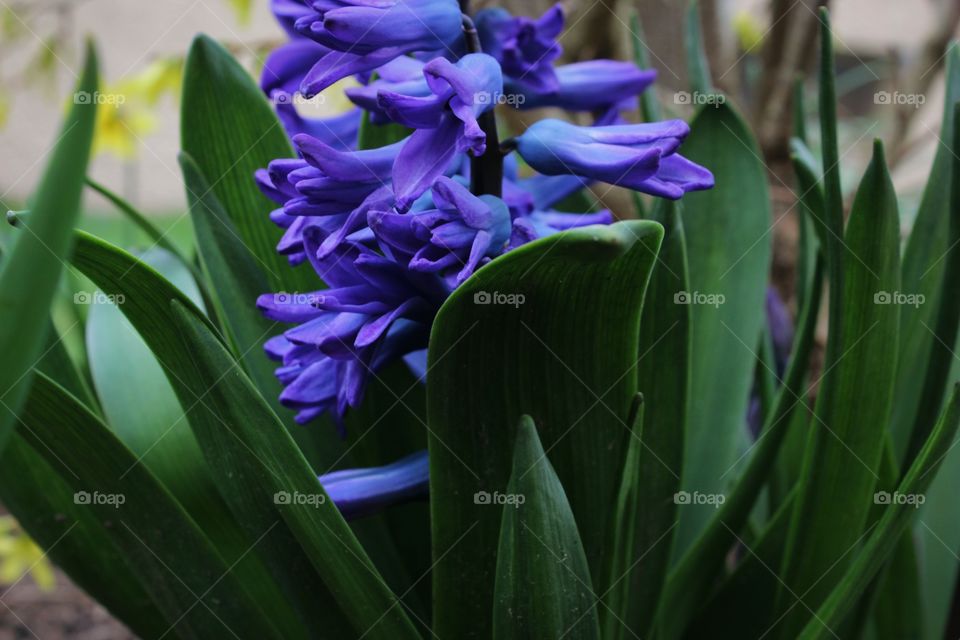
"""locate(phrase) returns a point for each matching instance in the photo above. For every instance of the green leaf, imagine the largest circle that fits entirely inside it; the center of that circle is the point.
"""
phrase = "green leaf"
(543, 587)
(649, 107)
(728, 249)
(690, 581)
(230, 130)
(144, 412)
(237, 280)
(374, 136)
(566, 352)
(886, 534)
(924, 269)
(698, 68)
(31, 272)
(946, 322)
(853, 408)
(651, 477)
(189, 582)
(158, 237)
(222, 427)
(243, 439)
(74, 538)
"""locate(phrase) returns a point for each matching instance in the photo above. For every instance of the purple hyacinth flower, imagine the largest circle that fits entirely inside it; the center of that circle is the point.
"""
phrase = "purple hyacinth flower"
(638, 156)
(401, 76)
(540, 224)
(525, 48)
(462, 233)
(374, 310)
(365, 34)
(287, 12)
(445, 122)
(338, 132)
(592, 85)
(361, 492)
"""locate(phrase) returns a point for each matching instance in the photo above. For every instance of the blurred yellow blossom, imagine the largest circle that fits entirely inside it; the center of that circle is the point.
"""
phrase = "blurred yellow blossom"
(242, 8)
(749, 30)
(19, 555)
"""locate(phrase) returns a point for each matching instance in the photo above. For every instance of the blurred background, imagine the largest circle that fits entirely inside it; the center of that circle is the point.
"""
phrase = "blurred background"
(890, 70)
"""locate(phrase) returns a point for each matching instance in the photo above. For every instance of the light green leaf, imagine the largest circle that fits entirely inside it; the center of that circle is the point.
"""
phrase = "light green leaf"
(728, 249)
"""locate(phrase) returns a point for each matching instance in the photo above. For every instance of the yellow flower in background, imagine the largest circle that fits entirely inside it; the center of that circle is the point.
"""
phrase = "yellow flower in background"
(243, 9)
(749, 30)
(125, 111)
(20, 555)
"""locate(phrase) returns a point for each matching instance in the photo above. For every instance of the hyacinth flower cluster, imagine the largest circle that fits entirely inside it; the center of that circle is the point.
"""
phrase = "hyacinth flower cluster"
(392, 231)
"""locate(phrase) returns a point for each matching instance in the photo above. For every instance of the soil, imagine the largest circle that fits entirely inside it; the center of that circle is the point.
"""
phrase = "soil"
(66, 612)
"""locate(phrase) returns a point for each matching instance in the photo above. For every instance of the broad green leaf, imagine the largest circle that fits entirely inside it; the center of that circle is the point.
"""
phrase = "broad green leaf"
(74, 538)
(230, 130)
(689, 583)
(550, 329)
(186, 577)
(664, 378)
(543, 587)
(853, 408)
(218, 425)
(245, 441)
(31, 271)
(924, 268)
(728, 249)
(886, 534)
(698, 68)
(57, 364)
